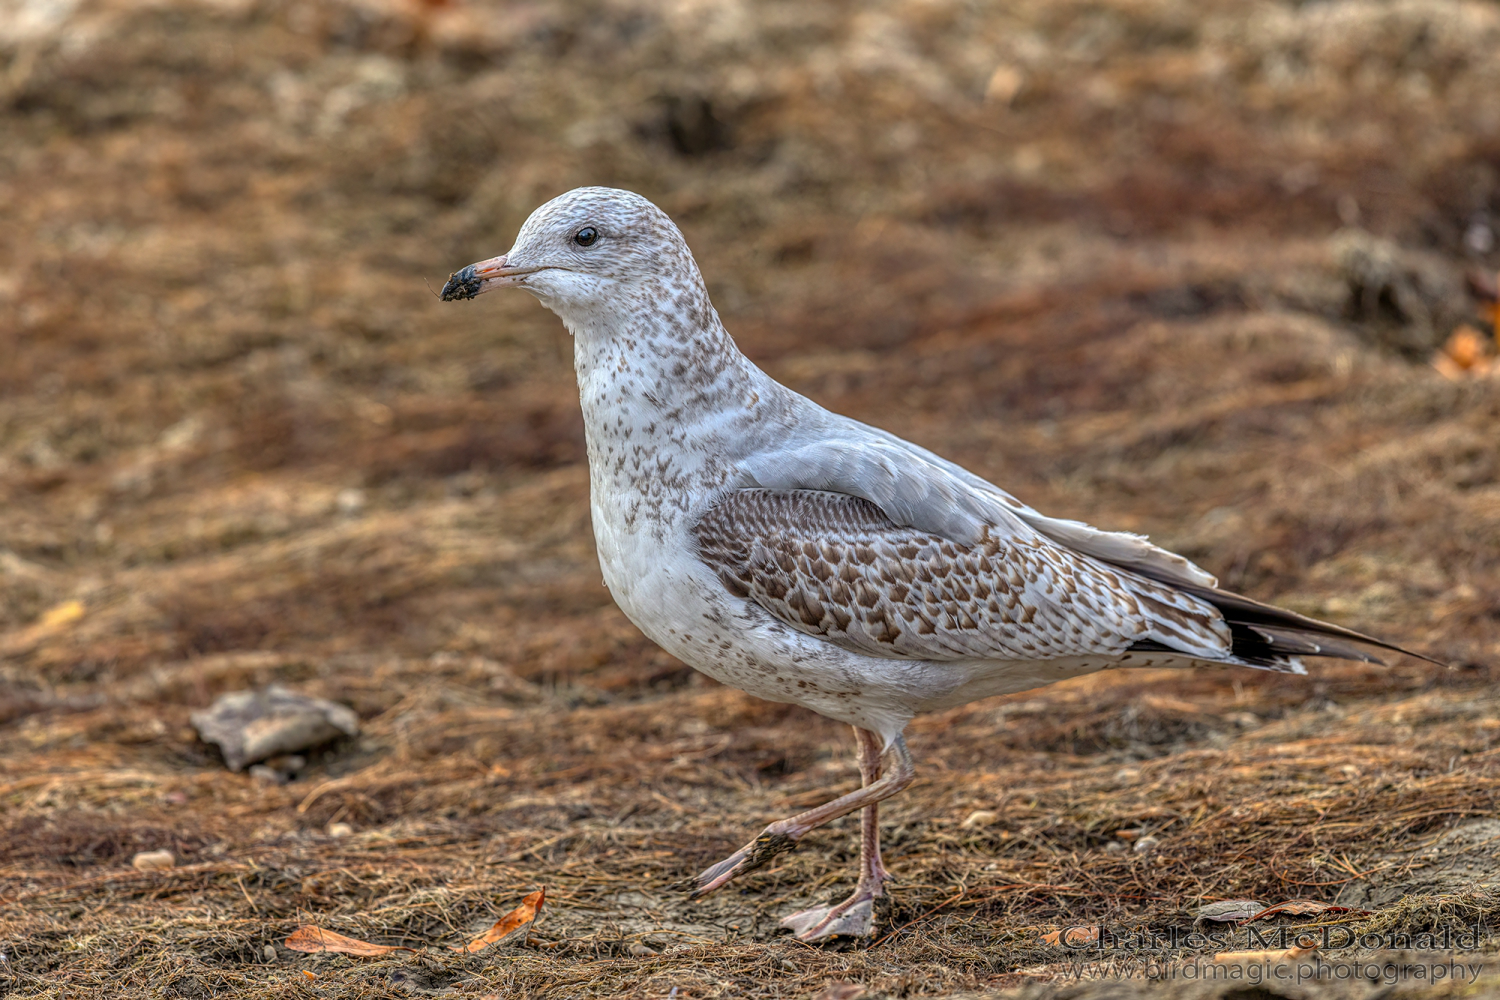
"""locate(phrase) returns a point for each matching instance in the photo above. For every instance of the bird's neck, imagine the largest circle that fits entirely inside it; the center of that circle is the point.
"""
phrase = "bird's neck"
(670, 406)
(653, 370)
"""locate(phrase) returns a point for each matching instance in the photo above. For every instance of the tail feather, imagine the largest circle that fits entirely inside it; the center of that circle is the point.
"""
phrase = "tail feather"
(1268, 636)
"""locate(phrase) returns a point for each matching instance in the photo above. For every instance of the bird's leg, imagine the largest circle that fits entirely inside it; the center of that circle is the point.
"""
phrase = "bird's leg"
(855, 916)
(783, 835)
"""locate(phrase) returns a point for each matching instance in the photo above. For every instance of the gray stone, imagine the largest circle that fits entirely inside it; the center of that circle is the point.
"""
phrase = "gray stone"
(251, 726)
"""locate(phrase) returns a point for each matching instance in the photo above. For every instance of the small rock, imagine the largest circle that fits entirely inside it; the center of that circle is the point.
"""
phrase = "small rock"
(1146, 844)
(350, 501)
(251, 726)
(153, 860)
(268, 953)
(789, 965)
(1114, 847)
(266, 775)
(1005, 83)
(339, 829)
(1230, 910)
(978, 818)
(641, 951)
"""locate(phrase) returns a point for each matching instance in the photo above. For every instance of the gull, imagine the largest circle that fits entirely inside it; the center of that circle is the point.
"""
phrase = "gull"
(805, 557)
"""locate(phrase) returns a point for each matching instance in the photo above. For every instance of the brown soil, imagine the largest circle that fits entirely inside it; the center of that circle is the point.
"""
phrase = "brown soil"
(1169, 268)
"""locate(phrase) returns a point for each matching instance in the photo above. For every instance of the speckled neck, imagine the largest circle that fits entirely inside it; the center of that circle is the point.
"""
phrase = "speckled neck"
(673, 358)
(669, 402)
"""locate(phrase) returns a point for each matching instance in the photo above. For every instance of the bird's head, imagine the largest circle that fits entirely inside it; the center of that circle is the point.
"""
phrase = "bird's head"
(584, 250)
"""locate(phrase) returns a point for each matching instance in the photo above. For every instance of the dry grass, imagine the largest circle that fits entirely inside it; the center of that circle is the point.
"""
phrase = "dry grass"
(237, 429)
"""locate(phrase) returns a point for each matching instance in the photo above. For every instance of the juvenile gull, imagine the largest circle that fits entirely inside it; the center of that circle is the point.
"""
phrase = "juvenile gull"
(805, 557)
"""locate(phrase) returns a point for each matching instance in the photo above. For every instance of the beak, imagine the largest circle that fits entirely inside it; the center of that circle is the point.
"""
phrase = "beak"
(476, 279)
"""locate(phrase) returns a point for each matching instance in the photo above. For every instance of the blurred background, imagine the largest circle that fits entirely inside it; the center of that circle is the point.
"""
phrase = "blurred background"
(1222, 272)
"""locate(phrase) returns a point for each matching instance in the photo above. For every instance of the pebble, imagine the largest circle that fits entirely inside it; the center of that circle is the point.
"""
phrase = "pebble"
(339, 829)
(1146, 845)
(153, 860)
(269, 953)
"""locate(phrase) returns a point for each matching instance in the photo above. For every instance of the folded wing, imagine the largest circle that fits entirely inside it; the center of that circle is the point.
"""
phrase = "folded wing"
(834, 565)
(929, 561)
(917, 488)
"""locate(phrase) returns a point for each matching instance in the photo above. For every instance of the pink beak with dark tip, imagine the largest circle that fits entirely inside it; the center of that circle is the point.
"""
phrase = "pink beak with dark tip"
(476, 279)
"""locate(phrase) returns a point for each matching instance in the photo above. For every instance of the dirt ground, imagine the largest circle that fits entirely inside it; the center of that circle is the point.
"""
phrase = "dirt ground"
(1171, 267)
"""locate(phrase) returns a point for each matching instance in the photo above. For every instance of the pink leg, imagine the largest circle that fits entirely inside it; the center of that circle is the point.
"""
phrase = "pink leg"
(783, 835)
(855, 916)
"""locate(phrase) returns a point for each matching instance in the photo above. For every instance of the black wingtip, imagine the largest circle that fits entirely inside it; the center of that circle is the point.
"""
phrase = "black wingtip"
(1277, 630)
(1264, 632)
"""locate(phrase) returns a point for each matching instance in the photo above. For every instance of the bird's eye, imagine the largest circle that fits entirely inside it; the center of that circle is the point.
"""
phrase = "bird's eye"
(586, 236)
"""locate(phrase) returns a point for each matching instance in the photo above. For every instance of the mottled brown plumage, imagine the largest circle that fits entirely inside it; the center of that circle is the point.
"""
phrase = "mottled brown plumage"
(834, 565)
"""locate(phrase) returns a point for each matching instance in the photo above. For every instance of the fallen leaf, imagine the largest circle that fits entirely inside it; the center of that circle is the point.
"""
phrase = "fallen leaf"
(508, 924)
(1073, 936)
(1257, 957)
(1463, 352)
(1304, 908)
(62, 614)
(314, 939)
(1231, 909)
(309, 975)
(1447, 367)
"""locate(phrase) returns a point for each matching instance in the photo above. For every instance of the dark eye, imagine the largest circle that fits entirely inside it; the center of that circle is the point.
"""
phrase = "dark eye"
(586, 236)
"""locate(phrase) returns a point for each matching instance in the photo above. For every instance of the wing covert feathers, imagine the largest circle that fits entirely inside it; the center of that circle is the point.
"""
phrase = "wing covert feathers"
(834, 565)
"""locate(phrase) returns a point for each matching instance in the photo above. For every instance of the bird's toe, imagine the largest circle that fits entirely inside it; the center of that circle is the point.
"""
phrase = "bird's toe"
(716, 875)
(756, 854)
(823, 923)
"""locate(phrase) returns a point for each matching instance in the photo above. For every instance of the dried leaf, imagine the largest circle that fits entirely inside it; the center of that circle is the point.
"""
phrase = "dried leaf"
(1463, 352)
(314, 939)
(1305, 908)
(1073, 936)
(508, 924)
(1257, 957)
(309, 975)
(1447, 367)
(1231, 909)
(62, 614)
